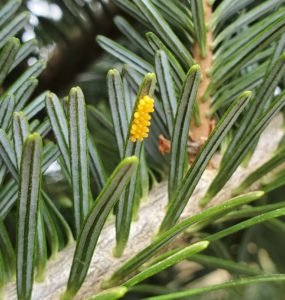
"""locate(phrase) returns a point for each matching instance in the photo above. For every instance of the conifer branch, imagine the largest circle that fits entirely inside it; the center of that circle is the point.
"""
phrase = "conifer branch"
(152, 212)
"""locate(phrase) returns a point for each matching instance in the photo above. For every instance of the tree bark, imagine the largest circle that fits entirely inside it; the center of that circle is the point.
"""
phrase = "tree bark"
(151, 213)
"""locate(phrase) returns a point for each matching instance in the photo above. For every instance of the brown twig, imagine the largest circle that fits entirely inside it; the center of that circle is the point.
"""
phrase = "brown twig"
(199, 134)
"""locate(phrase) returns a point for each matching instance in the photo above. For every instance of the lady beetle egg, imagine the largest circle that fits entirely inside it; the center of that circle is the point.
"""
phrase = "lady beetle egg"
(141, 121)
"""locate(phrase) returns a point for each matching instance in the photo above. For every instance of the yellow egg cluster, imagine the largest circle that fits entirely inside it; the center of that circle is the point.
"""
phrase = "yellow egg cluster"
(141, 121)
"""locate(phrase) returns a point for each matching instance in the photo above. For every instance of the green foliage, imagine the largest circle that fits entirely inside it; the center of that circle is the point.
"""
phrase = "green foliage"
(124, 55)
(118, 108)
(163, 239)
(197, 10)
(167, 262)
(93, 224)
(181, 129)
(125, 207)
(266, 168)
(29, 191)
(78, 156)
(225, 264)
(265, 92)
(243, 147)
(166, 87)
(21, 131)
(157, 21)
(111, 294)
(190, 180)
(59, 126)
(58, 154)
(226, 285)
